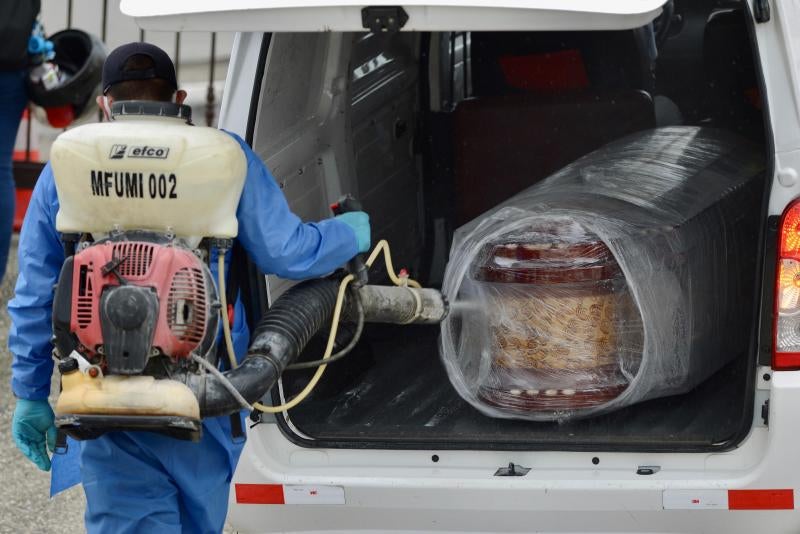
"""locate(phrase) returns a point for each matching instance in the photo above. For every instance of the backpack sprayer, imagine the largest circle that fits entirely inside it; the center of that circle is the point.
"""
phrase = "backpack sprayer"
(144, 201)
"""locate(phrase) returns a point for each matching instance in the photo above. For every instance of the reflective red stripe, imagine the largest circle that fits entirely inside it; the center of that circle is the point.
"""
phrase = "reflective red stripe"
(259, 494)
(763, 499)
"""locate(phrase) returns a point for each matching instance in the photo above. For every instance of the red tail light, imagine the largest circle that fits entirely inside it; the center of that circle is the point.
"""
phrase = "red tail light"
(787, 292)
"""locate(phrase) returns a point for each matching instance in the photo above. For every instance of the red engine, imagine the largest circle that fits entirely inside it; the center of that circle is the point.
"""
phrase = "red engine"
(131, 300)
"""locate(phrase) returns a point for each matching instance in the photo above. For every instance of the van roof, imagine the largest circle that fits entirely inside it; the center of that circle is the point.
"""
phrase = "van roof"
(423, 15)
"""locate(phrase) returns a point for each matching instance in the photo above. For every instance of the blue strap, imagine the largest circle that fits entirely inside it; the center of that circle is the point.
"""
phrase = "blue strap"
(66, 471)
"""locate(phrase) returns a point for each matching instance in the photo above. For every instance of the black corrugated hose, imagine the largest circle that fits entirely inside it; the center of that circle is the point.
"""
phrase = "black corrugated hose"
(278, 340)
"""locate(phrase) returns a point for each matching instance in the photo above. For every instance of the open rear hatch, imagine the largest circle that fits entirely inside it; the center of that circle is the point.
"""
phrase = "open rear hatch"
(414, 15)
(393, 391)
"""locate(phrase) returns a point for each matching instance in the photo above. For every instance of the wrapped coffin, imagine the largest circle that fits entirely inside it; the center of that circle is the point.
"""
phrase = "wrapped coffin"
(625, 276)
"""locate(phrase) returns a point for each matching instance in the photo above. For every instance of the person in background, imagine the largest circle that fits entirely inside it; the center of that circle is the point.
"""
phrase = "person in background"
(16, 22)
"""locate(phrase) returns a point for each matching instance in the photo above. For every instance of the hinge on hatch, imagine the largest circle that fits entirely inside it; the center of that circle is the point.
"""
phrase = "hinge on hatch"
(383, 19)
(762, 11)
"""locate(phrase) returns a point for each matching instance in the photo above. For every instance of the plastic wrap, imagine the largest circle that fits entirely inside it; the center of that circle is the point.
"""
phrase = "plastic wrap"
(626, 276)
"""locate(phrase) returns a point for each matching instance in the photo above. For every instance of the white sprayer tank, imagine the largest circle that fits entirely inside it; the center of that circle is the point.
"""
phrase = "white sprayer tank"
(148, 173)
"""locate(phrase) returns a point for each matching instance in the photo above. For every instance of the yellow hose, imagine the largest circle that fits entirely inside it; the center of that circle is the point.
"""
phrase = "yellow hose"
(223, 311)
(382, 246)
(337, 311)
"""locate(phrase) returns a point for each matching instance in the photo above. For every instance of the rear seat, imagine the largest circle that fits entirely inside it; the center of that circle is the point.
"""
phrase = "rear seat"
(542, 100)
(504, 144)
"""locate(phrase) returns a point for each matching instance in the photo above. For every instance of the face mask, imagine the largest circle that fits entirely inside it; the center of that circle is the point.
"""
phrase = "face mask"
(107, 108)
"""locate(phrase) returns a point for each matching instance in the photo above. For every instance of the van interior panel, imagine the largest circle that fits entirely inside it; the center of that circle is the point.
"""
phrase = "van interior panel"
(430, 130)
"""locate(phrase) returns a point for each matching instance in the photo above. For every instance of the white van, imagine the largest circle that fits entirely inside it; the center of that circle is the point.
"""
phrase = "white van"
(374, 99)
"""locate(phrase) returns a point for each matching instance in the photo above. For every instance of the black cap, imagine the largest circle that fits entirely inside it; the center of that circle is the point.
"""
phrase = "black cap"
(115, 63)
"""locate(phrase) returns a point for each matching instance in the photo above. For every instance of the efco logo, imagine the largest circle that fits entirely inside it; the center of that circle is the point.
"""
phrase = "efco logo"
(117, 151)
(153, 152)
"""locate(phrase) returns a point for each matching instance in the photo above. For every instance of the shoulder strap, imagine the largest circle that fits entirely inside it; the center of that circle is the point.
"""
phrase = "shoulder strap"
(236, 276)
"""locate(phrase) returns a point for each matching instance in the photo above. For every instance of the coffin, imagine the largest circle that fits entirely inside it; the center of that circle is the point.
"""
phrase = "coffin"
(626, 276)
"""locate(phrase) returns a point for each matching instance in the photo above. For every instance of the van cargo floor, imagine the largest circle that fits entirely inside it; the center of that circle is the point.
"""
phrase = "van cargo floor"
(393, 392)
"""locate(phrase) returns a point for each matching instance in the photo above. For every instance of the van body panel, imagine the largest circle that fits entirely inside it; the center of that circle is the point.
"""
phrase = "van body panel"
(779, 54)
(403, 491)
(456, 490)
(235, 110)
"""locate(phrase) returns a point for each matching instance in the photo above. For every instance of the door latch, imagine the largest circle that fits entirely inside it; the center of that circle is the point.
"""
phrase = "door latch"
(512, 470)
(383, 19)
(647, 470)
(762, 11)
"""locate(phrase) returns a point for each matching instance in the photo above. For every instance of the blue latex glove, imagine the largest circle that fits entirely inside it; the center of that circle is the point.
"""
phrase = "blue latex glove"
(33, 431)
(359, 222)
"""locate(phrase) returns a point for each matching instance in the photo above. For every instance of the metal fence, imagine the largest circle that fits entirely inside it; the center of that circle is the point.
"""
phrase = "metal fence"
(27, 164)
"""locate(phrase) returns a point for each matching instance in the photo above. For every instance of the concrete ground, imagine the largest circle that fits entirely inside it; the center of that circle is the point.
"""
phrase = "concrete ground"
(25, 506)
(24, 490)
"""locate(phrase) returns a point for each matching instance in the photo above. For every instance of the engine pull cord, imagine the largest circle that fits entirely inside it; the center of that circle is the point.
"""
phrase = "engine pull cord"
(404, 281)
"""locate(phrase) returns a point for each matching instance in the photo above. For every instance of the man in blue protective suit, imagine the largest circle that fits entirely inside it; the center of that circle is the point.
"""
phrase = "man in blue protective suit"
(16, 22)
(140, 481)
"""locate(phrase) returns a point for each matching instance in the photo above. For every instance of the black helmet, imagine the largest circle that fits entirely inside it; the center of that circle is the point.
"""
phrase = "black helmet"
(80, 58)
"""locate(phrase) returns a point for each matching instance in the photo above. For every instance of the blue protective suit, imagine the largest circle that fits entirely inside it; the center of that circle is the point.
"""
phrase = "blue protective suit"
(140, 481)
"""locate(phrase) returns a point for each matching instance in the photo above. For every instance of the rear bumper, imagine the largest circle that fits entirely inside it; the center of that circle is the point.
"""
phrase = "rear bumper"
(349, 490)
